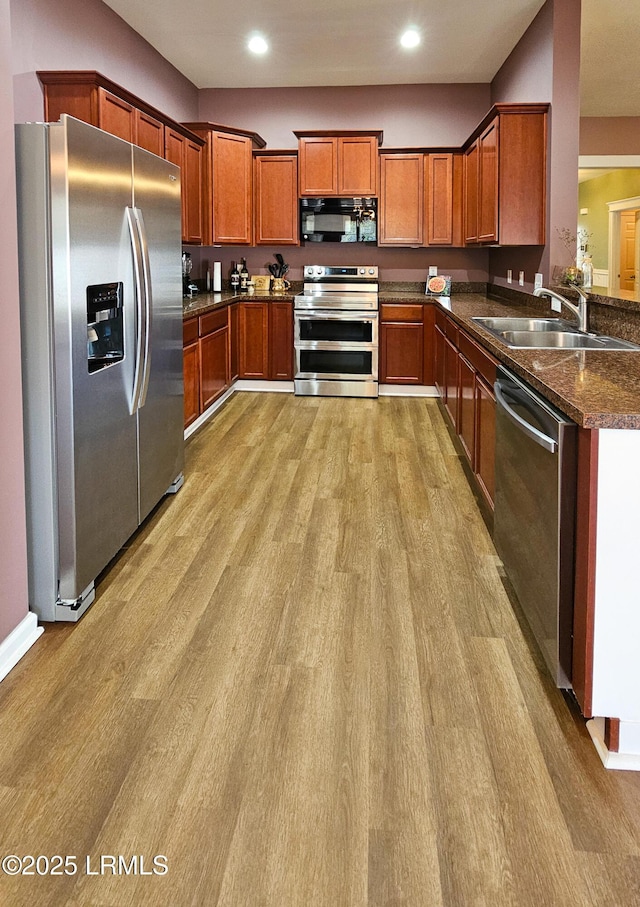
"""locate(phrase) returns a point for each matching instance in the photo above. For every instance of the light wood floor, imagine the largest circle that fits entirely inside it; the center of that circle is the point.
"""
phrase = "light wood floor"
(305, 685)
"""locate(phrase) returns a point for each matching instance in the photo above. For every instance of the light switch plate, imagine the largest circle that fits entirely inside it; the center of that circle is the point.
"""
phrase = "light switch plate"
(509, 276)
(521, 279)
(433, 271)
(556, 306)
(537, 282)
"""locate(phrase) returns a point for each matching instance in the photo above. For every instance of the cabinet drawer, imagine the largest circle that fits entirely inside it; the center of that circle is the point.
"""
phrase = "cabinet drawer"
(408, 312)
(189, 331)
(213, 321)
(479, 359)
(447, 326)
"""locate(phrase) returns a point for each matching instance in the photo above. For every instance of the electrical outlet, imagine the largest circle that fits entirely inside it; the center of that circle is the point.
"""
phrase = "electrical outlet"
(521, 279)
(433, 271)
(537, 283)
(509, 276)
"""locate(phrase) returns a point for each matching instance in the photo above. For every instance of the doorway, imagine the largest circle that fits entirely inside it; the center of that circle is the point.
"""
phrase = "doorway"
(628, 233)
(624, 245)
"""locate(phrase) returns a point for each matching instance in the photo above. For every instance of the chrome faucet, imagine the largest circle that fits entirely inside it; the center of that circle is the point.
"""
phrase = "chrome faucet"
(580, 310)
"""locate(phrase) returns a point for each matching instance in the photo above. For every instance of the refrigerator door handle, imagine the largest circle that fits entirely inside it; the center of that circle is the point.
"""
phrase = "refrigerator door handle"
(147, 307)
(139, 291)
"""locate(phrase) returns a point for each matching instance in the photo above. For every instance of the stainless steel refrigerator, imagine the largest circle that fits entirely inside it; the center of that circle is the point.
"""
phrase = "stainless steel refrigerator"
(101, 316)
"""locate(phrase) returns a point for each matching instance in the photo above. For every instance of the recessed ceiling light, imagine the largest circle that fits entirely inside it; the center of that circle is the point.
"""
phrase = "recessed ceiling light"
(410, 38)
(258, 45)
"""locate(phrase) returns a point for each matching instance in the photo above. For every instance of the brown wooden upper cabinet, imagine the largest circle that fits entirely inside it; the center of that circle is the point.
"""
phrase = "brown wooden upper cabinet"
(227, 185)
(506, 177)
(401, 209)
(420, 199)
(338, 163)
(275, 208)
(444, 199)
(89, 96)
(187, 155)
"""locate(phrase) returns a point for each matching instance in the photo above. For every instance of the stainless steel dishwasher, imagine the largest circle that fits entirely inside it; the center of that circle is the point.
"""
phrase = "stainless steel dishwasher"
(534, 518)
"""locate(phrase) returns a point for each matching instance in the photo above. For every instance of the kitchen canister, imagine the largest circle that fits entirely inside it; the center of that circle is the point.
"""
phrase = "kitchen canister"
(217, 277)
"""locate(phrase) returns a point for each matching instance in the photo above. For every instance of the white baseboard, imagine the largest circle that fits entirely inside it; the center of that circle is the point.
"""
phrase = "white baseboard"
(206, 415)
(18, 642)
(407, 390)
(629, 762)
(271, 387)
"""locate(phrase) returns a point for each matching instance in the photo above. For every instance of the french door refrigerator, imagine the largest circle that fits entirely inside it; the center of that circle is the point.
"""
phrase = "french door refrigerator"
(101, 320)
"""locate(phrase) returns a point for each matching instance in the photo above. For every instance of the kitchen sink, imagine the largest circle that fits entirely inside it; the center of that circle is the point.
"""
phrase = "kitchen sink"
(499, 325)
(549, 334)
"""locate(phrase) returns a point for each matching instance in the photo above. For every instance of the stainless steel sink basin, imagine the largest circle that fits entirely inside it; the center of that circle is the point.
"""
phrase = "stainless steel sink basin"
(498, 325)
(549, 334)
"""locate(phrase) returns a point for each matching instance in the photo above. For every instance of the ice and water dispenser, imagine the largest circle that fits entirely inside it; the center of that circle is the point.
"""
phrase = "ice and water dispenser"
(105, 328)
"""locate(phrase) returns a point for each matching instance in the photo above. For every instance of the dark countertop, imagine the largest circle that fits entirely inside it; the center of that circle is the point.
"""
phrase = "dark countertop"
(595, 388)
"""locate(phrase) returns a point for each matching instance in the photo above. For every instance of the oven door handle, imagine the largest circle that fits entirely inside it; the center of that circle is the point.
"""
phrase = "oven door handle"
(533, 433)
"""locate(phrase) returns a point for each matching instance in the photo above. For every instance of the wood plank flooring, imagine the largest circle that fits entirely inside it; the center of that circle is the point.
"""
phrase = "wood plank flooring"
(304, 683)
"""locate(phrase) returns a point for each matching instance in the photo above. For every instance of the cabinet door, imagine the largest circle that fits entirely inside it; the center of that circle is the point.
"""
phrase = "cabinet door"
(191, 374)
(466, 407)
(471, 194)
(187, 155)
(214, 366)
(234, 345)
(253, 325)
(149, 133)
(318, 160)
(174, 152)
(485, 439)
(232, 188)
(401, 199)
(281, 341)
(428, 343)
(439, 364)
(191, 192)
(488, 184)
(116, 116)
(401, 353)
(451, 381)
(357, 165)
(439, 194)
(523, 177)
(276, 200)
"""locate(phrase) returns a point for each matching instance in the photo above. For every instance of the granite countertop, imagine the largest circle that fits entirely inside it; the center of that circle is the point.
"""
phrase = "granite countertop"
(595, 388)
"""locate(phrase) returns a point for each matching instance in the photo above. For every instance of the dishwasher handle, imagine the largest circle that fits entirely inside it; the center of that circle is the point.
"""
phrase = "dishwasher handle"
(535, 434)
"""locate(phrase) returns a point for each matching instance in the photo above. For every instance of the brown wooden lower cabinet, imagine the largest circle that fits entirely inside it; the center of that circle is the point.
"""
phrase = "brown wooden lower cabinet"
(266, 340)
(401, 353)
(253, 330)
(485, 438)
(451, 381)
(214, 356)
(191, 371)
(464, 376)
(401, 344)
(281, 341)
(406, 343)
(241, 340)
(234, 345)
(466, 408)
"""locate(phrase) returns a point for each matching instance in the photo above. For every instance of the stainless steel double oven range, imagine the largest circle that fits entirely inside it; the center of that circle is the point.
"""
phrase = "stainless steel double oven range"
(336, 332)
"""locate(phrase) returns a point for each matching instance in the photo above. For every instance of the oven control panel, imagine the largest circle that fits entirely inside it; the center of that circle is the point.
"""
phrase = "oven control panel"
(355, 273)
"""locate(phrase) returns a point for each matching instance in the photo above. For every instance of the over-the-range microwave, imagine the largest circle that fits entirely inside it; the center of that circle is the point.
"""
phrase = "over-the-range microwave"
(338, 220)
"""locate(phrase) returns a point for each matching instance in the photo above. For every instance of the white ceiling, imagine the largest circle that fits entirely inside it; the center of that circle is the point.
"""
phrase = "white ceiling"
(330, 42)
(355, 42)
